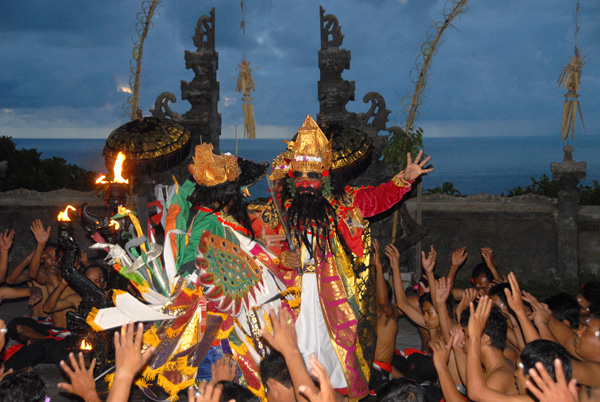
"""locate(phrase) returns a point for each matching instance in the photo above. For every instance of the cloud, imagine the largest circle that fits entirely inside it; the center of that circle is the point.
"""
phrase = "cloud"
(63, 61)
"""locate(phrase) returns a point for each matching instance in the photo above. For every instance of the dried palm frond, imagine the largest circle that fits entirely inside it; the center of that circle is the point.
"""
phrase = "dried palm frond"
(570, 79)
(144, 18)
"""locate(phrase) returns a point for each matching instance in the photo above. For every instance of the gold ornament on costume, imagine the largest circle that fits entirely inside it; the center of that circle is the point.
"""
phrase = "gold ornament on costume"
(210, 169)
(311, 152)
(281, 166)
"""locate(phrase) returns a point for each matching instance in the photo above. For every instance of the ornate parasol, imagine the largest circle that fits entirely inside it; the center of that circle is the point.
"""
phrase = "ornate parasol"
(151, 144)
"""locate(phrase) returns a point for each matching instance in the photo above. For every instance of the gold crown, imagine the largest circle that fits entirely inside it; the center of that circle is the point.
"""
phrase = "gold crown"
(281, 165)
(210, 169)
(311, 152)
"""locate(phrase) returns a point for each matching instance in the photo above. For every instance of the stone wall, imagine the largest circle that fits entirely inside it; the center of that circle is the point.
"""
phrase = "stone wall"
(588, 248)
(522, 231)
(18, 208)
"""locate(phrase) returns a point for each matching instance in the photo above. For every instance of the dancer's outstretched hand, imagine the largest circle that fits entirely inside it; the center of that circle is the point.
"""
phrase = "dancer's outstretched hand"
(414, 169)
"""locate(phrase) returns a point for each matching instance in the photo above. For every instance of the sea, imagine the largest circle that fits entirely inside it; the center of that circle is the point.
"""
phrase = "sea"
(473, 165)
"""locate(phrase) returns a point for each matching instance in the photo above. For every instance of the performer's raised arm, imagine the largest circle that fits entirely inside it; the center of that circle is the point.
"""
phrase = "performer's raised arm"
(375, 200)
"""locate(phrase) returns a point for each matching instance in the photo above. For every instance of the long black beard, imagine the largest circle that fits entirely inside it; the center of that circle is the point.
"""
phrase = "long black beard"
(311, 213)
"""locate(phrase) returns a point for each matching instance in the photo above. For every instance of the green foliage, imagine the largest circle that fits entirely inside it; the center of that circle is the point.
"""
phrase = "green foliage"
(447, 189)
(399, 144)
(544, 186)
(27, 170)
(589, 194)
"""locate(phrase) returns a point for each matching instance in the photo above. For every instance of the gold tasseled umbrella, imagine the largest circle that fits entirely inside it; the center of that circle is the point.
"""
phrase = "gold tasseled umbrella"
(151, 145)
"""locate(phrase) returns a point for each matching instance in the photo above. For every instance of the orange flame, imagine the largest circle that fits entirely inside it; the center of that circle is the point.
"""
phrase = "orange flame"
(85, 345)
(64, 215)
(117, 169)
(101, 180)
(115, 224)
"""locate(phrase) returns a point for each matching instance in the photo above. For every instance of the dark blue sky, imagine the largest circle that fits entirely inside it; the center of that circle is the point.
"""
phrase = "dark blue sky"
(62, 63)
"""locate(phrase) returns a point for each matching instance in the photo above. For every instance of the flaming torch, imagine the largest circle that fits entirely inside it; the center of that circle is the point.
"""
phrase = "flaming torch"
(85, 345)
(116, 190)
(87, 349)
(65, 224)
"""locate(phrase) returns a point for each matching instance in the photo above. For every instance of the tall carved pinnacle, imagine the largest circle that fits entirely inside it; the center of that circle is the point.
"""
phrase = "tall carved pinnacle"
(334, 92)
(204, 36)
(330, 27)
(203, 119)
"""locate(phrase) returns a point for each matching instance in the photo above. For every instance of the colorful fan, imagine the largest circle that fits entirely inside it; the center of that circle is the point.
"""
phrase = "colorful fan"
(228, 274)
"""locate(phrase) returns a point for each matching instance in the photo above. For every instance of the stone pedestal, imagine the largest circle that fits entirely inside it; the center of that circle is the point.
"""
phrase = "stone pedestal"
(568, 173)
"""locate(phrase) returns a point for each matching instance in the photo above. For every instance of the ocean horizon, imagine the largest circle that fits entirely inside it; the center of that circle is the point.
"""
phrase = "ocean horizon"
(473, 164)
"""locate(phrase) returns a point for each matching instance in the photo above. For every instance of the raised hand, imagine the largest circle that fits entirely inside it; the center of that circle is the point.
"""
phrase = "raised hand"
(459, 256)
(545, 389)
(513, 296)
(541, 311)
(502, 279)
(129, 358)
(376, 255)
(488, 256)
(206, 392)
(458, 338)
(41, 235)
(225, 369)
(422, 286)
(6, 240)
(479, 316)
(326, 392)
(443, 287)
(393, 255)
(82, 379)
(469, 295)
(414, 169)
(284, 338)
(441, 351)
(428, 262)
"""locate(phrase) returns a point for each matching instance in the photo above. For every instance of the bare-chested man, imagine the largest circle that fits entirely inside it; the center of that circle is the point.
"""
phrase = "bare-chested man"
(387, 326)
(43, 273)
(498, 369)
(33, 293)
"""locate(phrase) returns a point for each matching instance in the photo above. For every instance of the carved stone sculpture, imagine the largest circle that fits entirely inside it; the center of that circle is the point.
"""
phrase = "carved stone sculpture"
(203, 119)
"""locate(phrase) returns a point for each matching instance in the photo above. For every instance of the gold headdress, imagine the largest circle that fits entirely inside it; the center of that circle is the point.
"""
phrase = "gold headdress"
(210, 169)
(281, 165)
(311, 152)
